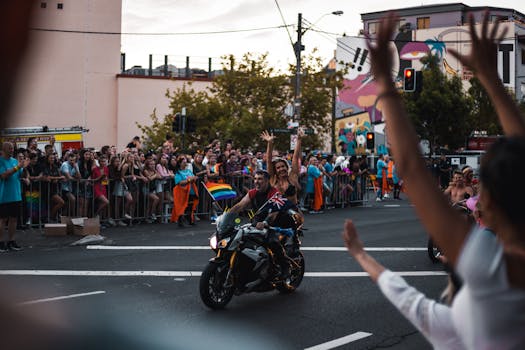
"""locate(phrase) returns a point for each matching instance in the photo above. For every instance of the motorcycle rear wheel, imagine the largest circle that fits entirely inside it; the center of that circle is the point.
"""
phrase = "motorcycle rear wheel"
(296, 276)
(213, 294)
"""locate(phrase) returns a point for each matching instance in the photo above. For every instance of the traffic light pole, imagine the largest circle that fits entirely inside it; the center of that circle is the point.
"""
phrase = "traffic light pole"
(298, 47)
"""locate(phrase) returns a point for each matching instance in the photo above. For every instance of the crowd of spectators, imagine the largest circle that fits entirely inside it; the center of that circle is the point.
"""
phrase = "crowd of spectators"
(135, 184)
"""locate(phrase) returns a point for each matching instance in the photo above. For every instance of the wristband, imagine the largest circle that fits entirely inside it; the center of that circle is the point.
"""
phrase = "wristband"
(16, 168)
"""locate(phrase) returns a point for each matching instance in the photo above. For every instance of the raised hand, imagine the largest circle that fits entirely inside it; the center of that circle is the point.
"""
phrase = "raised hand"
(482, 58)
(267, 136)
(351, 239)
(380, 51)
(300, 132)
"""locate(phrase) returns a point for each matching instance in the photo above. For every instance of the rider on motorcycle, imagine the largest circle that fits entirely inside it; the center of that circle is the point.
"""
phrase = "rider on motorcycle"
(260, 198)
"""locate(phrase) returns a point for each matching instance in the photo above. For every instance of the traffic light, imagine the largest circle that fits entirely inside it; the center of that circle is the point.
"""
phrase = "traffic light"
(191, 124)
(409, 80)
(176, 126)
(370, 140)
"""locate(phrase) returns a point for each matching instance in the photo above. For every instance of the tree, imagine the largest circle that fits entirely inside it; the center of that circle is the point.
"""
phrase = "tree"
(483, 115)
(440, 112)
(249, 97)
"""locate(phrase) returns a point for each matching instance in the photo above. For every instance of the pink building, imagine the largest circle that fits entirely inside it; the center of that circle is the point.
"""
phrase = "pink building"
(70, 76)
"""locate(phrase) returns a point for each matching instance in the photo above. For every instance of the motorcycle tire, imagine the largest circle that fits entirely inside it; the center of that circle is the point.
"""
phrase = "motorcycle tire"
(211, 289)
(296, 276)
(433, 251)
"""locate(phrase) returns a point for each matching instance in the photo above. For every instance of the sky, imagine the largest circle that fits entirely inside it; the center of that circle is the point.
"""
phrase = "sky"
(204, 16)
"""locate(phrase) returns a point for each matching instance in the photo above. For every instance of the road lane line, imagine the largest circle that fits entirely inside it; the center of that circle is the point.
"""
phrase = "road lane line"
(175, 247)
(340, 341)
(91, 273)
(61, 298)
(391, 205)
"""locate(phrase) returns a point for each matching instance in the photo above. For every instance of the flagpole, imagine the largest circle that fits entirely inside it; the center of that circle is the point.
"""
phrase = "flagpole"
(213, 198)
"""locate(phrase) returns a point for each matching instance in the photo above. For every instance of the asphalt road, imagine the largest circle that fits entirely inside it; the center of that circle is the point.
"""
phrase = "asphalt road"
(156, 290)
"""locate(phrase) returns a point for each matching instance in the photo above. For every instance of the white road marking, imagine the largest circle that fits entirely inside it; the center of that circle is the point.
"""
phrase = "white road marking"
(175, 247)
(341, 341)
(88, 273)
(61, 298)
(391, 205)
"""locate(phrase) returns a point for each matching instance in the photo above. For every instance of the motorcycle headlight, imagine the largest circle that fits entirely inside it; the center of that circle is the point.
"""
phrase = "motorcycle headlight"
(213, 242)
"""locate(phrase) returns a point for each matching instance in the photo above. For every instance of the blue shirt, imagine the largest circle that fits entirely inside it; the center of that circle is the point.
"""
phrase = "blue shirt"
(313, 173)
(182, 175)
(380, 165)
(72, 171)
(10, 188)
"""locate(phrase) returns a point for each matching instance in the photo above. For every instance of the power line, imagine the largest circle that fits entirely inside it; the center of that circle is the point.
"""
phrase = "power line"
(284, 23)
(159, 34)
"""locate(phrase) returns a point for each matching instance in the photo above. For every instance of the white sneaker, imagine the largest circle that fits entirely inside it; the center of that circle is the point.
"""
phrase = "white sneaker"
(127, 216)
(153, 217)
(378, 199)
(386, 196)
(122, 224)
(112, 222)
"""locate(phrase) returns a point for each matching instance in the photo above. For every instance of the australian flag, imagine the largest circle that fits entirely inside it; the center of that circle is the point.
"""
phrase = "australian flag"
(279, 203)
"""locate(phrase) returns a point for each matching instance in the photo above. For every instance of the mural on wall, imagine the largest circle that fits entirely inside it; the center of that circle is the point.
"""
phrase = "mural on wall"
(350, 133)
(358, 97)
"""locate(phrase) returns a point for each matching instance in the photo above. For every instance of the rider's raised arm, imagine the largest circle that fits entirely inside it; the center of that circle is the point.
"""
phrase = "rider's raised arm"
(446, 227)
(296, 167)
(483, 61)
(269, 150)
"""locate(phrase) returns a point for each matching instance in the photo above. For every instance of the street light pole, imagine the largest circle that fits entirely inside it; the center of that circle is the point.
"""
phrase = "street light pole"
(298, 47)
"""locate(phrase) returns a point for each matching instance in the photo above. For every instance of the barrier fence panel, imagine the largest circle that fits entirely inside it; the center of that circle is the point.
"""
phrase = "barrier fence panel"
(123, 203)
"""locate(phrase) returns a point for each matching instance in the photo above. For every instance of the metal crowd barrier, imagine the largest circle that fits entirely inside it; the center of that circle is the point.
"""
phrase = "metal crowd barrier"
(129, 203)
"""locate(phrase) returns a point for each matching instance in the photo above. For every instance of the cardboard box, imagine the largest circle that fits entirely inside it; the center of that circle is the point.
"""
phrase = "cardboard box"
(55, 229)
(86, 226)
(69, 224)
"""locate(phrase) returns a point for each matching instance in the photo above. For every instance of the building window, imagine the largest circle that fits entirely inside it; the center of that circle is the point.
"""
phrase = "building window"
(372, 27)
(60, 6)
(498, 18)
(43, 5)
(423, 23)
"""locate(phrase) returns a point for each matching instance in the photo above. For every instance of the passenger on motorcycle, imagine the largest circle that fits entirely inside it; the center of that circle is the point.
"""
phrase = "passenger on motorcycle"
(261, 199)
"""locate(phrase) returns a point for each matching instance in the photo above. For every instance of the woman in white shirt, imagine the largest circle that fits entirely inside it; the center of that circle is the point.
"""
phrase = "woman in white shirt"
(489, 310)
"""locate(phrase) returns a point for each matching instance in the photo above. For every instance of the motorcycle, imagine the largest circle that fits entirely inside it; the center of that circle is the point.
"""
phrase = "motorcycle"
(433, 250)
(244, 264)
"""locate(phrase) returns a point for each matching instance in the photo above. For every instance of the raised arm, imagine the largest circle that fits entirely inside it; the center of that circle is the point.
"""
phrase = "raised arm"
(269, 150)
(296, 167)
(483, 61)
(446, 227)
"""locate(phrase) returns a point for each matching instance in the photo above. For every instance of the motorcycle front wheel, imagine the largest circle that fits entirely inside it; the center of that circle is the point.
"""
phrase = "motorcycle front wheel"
(296, 275)
(211, 287)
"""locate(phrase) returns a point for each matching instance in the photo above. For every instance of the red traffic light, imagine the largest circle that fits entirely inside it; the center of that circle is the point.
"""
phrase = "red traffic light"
(369, 136)
(408, 73)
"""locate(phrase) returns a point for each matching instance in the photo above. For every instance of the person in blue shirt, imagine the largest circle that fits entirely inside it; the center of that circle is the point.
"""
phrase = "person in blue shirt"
(381, 167)
(314, 171)
(183, 177)
(10, 195)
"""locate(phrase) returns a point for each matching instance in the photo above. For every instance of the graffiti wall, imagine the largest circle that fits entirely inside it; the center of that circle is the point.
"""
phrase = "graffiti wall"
(350, 134)
(359, 94)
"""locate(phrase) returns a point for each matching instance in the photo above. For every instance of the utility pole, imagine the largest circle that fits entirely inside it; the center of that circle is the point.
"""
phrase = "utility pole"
(298, 47)
(183, 126)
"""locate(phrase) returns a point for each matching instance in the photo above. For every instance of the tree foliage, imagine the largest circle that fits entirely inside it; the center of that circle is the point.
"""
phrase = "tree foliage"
(250, 96)
(440, 112)
(483, 116)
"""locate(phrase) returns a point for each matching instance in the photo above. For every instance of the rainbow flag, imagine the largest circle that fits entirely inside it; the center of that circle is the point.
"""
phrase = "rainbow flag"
(220, 191)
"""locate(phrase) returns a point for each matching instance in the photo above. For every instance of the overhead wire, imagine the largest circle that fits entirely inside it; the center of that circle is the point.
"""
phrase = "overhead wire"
(284, 24)
(159, 33)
